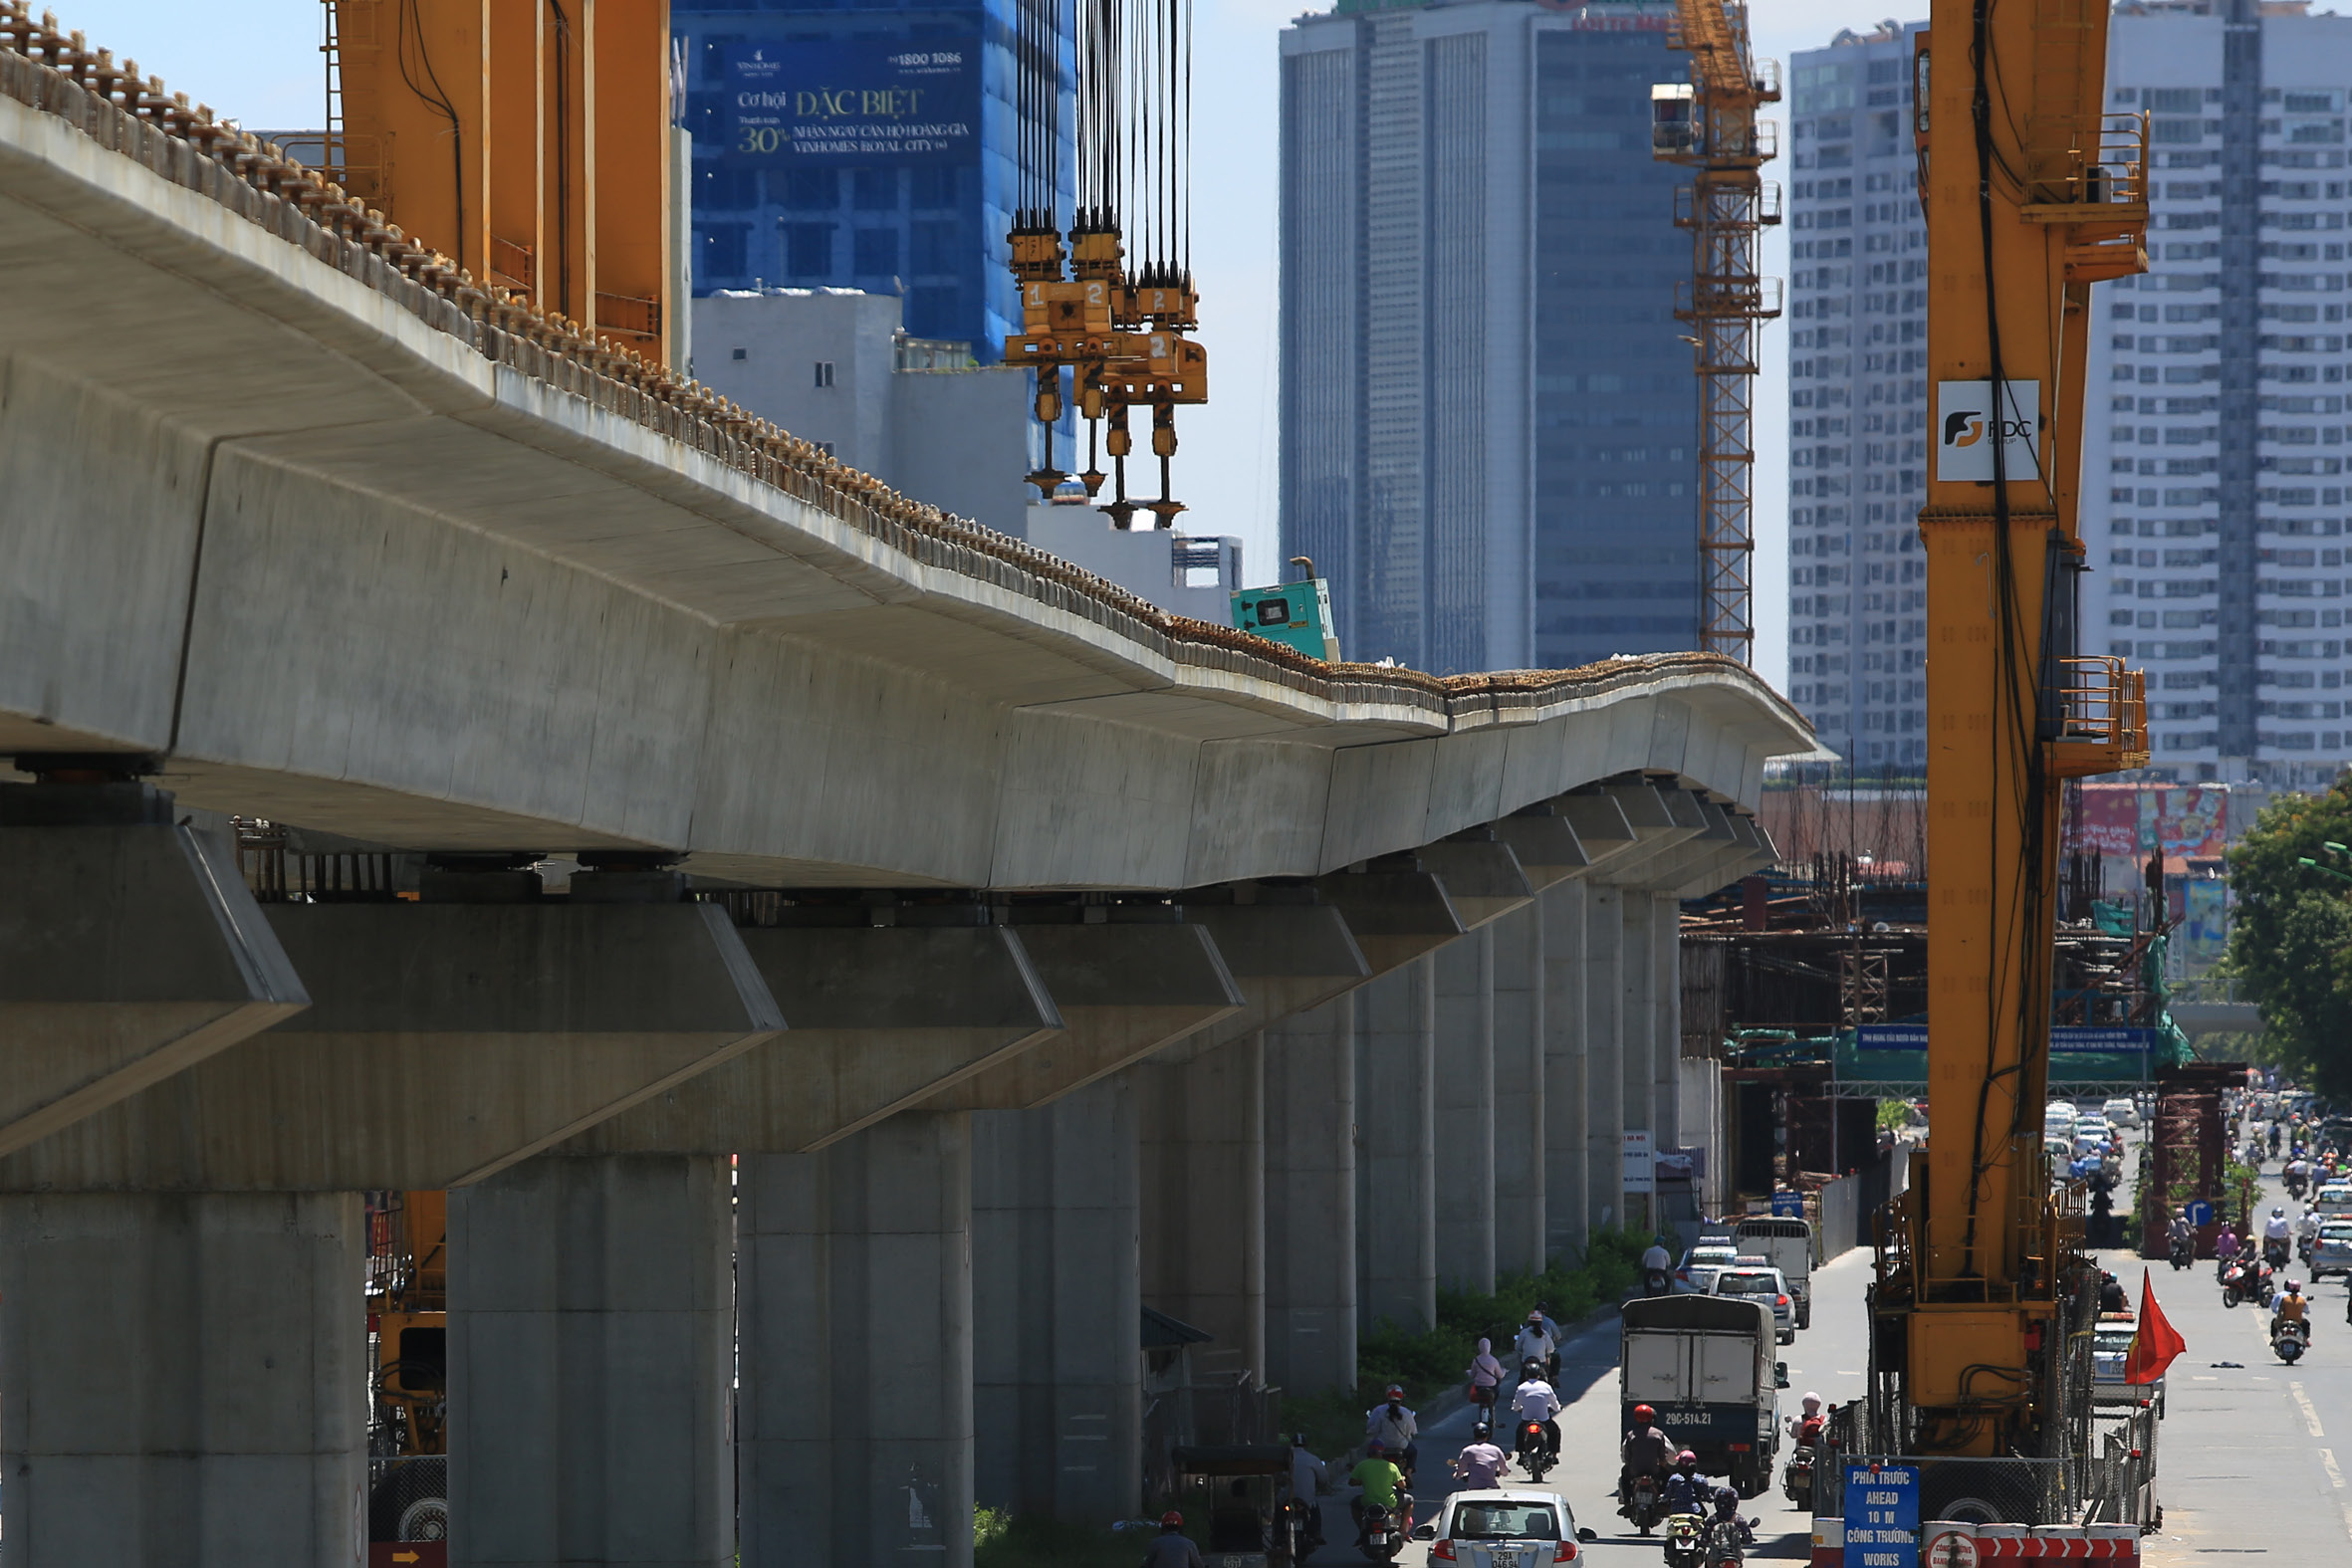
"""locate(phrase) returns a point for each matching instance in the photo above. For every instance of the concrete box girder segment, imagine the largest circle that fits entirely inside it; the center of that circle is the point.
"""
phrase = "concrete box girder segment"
(1481, 877)
(132, 951)
(1284, 956)
(1658, 822)
(890, 1017)
(1602, 827)
(1395, 915)
(1546, 843)
(445, 1043)
(1123, 990)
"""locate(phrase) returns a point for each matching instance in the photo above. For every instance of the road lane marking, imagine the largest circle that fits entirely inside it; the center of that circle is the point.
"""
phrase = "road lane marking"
(2335, 1476)
(2310, 1415)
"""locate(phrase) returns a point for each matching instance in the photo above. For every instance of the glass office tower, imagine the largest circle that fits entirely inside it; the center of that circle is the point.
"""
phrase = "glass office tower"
(1488, 412)
(861, 146)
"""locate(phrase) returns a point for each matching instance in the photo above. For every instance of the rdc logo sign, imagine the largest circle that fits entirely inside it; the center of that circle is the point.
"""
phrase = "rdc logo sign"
(1970, 420)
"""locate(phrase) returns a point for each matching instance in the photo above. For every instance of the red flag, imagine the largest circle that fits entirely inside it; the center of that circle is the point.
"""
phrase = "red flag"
(2157, 1345)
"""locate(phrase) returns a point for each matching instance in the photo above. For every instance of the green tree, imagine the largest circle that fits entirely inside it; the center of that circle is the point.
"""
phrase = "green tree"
(2290, 939)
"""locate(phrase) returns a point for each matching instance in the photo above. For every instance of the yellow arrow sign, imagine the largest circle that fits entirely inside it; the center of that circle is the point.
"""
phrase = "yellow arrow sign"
(404, 1557)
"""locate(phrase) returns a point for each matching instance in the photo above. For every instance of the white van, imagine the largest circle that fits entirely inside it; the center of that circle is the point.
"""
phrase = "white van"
(1788, 1242)
(2057, 1120)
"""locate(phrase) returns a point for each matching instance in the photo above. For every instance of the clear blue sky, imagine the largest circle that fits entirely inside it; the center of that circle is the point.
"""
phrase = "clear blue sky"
(260, 65)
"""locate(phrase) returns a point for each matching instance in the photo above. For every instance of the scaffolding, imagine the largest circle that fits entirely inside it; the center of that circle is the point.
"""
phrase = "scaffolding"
(1710, 125)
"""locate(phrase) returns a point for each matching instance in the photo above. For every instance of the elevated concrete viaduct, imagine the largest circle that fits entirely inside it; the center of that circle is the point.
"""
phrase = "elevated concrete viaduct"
(1036, 955)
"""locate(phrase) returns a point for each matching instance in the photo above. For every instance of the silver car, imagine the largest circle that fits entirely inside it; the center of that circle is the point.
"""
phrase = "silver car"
(1746, 1279)
(2331, 1251)
(1701, 1263)
(2111, 1349)
(1504, 1528)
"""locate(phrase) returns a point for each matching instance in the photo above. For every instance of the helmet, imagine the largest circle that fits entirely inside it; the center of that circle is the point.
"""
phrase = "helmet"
(2278, 1213)
(1810, 1399)
(1536, 1318)
(1686, 1456)
(2294, 1288)
(1531, 1368)
(1298, 1440)
(1171, 1520)
(1725, 1499)
(1482, 1432)
(1375, 1447)
(1396, 1391)
(1643, 1413)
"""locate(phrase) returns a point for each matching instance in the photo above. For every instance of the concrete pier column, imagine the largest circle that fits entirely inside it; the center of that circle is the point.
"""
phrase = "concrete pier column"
(1636, 1025)
(1518, 1090)
(1567, 1173)
(1604, 1055)
(854, 1301)
(1202, 1153)
(1666, 1019)
(1310, 1198)
(590, 1325)
(1396, 1159)
(1464, 1111)
(183, 1379)
(1057, 1303)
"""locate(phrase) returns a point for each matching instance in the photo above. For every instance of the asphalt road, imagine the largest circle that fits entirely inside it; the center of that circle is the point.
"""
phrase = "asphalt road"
(2253, 1457)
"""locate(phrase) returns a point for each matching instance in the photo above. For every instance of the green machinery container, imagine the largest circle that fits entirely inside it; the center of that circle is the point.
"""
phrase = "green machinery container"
(1296, 615)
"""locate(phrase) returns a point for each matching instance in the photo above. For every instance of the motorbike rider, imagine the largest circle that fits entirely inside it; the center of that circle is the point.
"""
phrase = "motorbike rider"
(2225, 1250)
(1382, 1484)
(1646, 1450)
(2291, 1308)
(2307, 1232)
(1687, 1490)
(1807, 1429)
(2279, 1242)
(1480, 1466)
(1537, 1401)
(1659, 1263)
(1535, 1343)
(2274, 1137)
(2181, 1230)
(1172, 1549)
(1727, 1517)
(1486, 1377)
(1308, 1477)
(1395, 1429)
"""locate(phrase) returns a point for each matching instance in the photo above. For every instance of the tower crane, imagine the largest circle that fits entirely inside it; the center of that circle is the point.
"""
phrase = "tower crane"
(1710, 125)
(2032, 194)
(1119, 324)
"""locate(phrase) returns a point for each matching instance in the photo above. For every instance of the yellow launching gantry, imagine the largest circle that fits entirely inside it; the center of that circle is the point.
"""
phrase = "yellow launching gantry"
(2032, 195)
(1122, 338)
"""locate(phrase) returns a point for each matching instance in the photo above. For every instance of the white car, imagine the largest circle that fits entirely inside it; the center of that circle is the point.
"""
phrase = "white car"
(2123, 1111)
(2111, 1348)
(2333, 1199)
(1700, 1266)
(1753, 1278)
(2058, 1119)
(1505, 1527)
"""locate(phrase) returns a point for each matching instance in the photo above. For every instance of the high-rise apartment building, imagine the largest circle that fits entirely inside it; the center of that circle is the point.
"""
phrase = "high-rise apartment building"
(1489, 416)
(1858, 401)
(860, 145)
(2213, 497)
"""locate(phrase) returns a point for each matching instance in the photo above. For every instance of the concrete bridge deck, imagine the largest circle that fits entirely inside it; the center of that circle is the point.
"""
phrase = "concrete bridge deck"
(1107, 958)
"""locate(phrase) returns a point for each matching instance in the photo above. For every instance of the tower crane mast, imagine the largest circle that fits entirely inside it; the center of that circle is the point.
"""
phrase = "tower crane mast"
(1711, 127)
(2032, 195)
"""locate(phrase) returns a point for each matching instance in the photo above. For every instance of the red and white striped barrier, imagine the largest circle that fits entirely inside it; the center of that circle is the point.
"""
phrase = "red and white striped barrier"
(1948, 1543)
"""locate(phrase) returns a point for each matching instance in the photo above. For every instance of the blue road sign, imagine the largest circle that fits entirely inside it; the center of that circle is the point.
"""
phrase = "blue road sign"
(2200, 1213)
(1882, 1517)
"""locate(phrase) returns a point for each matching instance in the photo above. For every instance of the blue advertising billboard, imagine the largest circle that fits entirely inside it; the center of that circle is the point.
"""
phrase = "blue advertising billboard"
(862, 101)
(2110, 1040)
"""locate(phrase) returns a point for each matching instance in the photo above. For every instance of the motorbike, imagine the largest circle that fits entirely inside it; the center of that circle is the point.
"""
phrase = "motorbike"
(1796, 1477)
(2235, 1284)
(1683, 1540)
(2182, 1251)
(1533, 1456)
(2297, 1183)
(2275, 1251)
(1656, 1283)
(1641, 1503)
(1302, 1527)
(2290, 1340)
(1387, 1529)
(1725, 1547)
